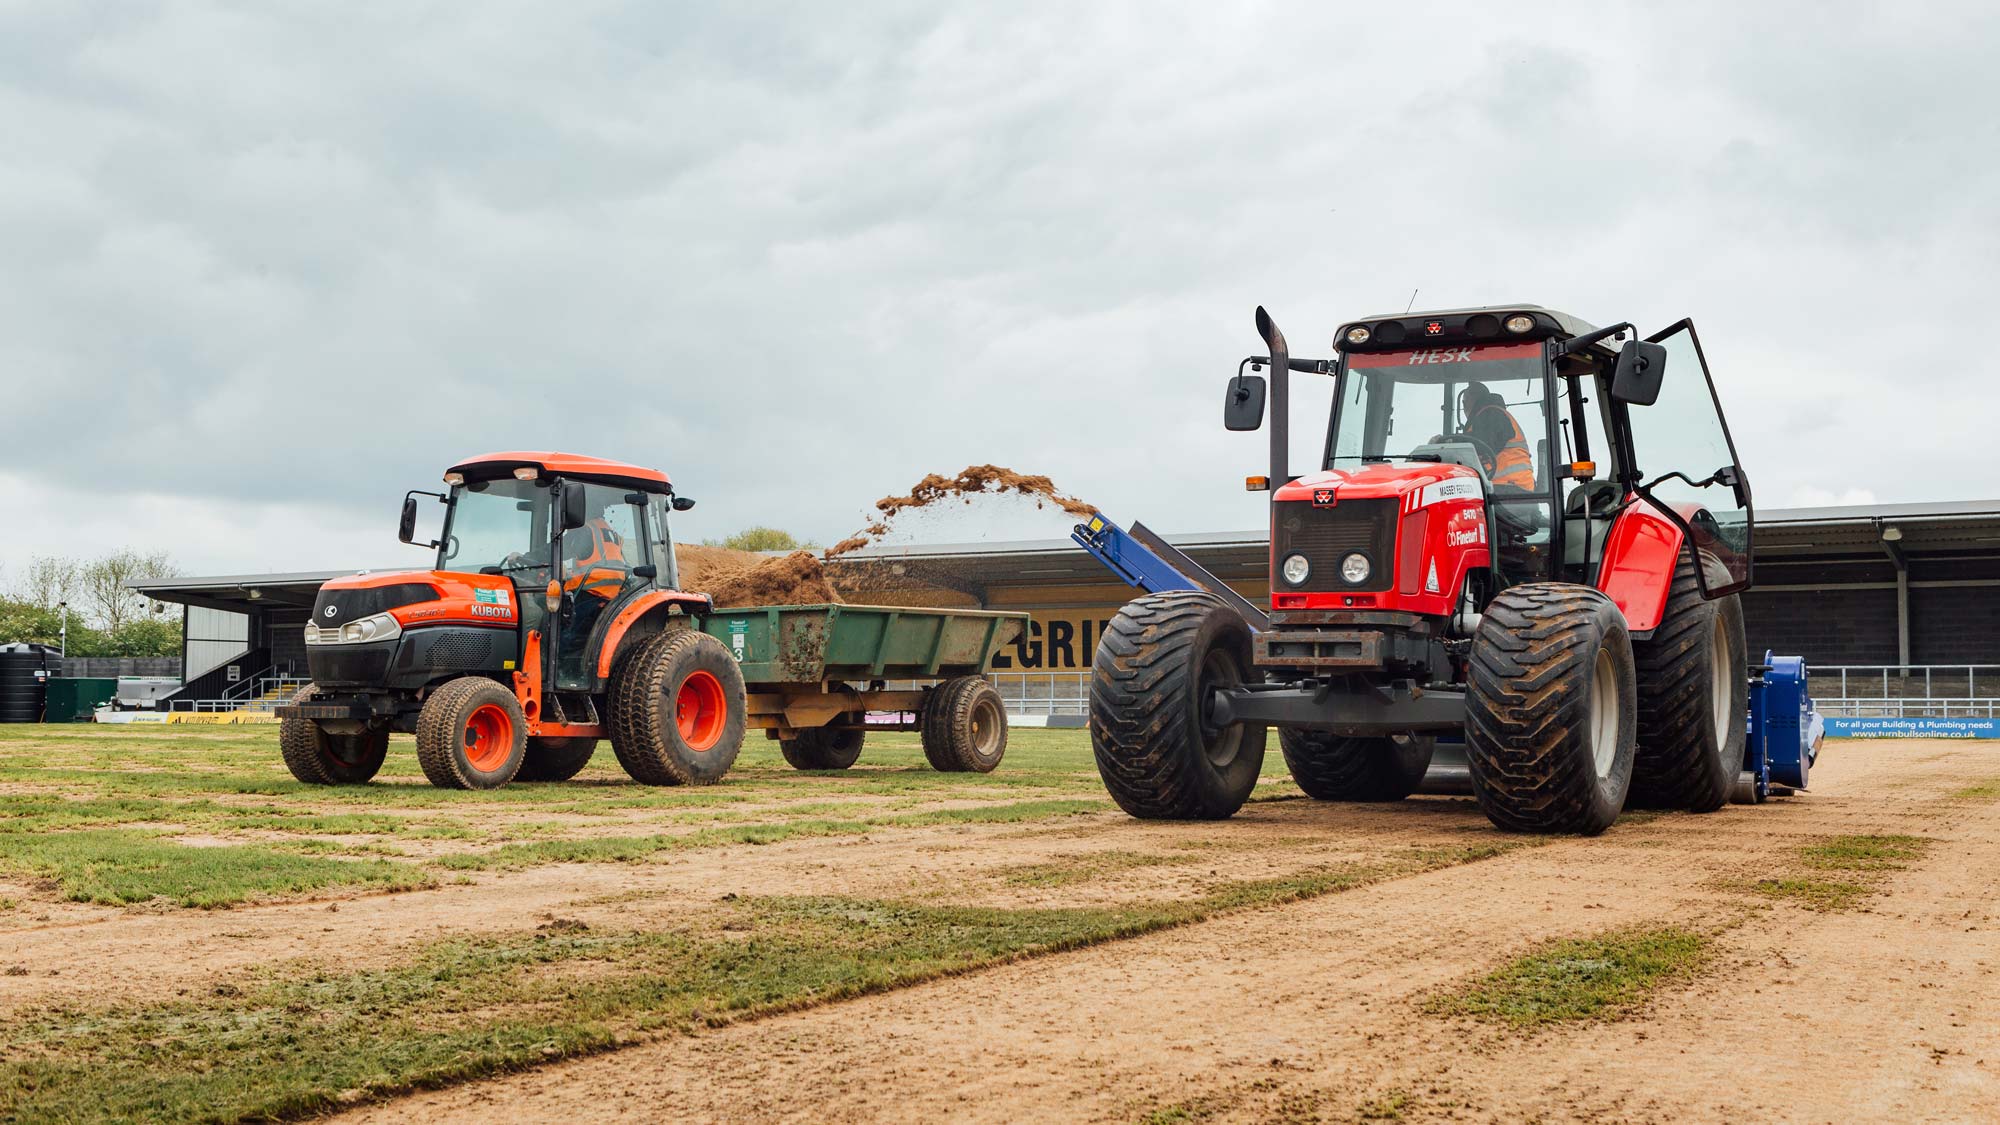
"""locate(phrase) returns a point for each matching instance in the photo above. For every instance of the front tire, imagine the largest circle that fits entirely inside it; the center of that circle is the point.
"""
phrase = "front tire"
(1332, 768)
(1160, 755)
(1694, 694)
(318, 757)
(471, 734)
(1551, 710)
(678, 718)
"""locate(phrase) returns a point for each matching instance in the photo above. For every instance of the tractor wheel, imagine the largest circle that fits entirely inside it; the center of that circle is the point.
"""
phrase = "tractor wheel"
(1551, 711)
(1332, 768)
(555, 759)
(317, 757)
(1156, 747)
(1694, 696)
(964, 726)
(679, 712)
(471, 735)
(823, 748)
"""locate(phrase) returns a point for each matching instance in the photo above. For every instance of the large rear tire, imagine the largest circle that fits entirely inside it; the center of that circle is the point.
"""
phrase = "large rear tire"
(471, 735)
(1330, 767)
(964, 726)
(1157, 749)
(1551, 710)
(823, 748)
(318, 757)
(555, 759)
(678, 718)
(1694, 699)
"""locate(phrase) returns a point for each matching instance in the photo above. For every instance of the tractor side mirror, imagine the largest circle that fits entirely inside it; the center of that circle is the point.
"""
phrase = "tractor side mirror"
(1637, 380)
(1243, 409)
(574, 514)
(406, 528)
(682, 503)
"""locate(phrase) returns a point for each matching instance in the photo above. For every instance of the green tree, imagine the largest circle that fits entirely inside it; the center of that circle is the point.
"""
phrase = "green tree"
(760, 539)
(33, 624)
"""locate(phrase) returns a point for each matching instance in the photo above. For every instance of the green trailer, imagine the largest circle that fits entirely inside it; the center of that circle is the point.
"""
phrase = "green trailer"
(813, 675)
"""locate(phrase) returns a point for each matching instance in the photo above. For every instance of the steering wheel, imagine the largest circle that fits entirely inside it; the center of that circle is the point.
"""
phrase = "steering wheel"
(1487, 455)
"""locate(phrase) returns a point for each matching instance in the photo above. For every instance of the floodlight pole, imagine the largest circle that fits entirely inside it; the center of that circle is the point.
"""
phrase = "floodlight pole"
(63, 652)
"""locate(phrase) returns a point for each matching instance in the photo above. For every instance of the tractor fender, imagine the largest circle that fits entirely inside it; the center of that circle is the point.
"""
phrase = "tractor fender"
(1638, 569)
(648, 613)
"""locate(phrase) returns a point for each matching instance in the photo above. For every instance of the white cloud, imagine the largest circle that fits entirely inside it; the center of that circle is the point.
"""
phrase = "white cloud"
(273, 266)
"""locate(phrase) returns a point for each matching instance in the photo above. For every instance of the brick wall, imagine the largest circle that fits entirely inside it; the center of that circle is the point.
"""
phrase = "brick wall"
(1824, 626)
(1955, 625)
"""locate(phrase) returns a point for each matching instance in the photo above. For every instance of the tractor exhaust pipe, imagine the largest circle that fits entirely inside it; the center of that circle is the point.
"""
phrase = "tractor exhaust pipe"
(1281, 410)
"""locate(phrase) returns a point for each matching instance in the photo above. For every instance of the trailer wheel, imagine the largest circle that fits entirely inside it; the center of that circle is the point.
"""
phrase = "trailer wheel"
(823, 748)
(1157, 749)
(1551, 711)
(471, 735)
(318, 757)
(1332, 768)
(964, 726)
(679, 712)
(1694, 696)
(555, 759)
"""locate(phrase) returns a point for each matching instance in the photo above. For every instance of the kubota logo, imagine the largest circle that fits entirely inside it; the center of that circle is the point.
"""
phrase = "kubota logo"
(332, 611)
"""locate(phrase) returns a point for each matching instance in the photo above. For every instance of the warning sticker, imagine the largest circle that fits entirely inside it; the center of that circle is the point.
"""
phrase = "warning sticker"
(1431, 583)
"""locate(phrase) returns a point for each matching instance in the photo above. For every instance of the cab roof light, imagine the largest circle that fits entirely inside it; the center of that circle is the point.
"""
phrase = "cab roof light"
(1519, 323)
(527, 472)
(454, 478)
(1358, 334)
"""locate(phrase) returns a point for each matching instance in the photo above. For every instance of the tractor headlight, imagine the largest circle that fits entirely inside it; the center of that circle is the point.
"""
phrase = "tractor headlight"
(1519, 323)
(380, 627)
(1354, 568)
(1295, 569)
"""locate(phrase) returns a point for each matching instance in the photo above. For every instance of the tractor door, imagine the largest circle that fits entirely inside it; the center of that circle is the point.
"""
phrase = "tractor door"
(597, 562)
(1687, 467)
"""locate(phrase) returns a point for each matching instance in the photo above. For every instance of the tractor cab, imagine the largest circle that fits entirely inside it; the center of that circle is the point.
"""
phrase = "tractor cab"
(574, 538)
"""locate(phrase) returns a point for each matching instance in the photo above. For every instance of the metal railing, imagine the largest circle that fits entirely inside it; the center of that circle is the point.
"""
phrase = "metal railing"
(1909, 707)
(261, 694)
(1897, 681)
(1044, 693)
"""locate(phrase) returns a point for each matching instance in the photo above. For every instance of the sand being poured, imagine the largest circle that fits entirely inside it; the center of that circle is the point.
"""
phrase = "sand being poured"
(743, 578)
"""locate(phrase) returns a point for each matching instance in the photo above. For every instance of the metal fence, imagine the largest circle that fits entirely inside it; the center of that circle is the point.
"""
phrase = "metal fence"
(1907, 690)
(1044, 693)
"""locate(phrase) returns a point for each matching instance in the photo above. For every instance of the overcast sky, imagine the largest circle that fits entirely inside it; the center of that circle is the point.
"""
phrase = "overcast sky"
(267, 265)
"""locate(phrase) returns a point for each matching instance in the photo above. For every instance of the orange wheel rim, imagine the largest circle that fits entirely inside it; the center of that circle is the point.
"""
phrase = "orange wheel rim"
(700, 709)
(489, 737)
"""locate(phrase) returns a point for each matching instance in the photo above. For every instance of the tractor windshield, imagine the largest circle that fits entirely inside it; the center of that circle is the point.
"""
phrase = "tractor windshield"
(1483, 404)
(497, 526)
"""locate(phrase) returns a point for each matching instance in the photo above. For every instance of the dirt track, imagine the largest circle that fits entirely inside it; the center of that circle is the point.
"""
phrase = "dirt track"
(1313, 1010)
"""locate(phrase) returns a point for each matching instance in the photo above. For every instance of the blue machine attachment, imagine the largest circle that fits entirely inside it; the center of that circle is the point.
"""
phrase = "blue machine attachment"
(1145, 560)
(1785, 731)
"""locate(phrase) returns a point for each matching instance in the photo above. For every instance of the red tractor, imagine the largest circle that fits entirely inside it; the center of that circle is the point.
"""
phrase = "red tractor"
(1522, 533)
(553, 619)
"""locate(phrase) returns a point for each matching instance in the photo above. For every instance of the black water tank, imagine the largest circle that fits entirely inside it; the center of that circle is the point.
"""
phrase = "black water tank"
(23, 681)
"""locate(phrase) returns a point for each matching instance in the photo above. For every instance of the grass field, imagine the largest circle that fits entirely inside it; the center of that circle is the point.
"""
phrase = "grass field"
(199, 821)
(187, 933)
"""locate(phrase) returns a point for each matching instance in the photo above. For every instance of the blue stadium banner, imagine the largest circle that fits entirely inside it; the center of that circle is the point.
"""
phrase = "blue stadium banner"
(1915, 726)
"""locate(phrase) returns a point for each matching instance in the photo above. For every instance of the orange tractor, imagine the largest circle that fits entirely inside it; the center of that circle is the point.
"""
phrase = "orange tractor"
(554, 619)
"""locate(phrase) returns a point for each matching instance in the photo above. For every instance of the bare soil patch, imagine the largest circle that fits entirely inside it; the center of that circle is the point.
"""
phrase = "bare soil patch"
(1318, 1010)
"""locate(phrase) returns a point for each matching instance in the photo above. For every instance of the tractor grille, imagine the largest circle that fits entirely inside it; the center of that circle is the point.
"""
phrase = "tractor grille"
(1327, 535)
(449, 648)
